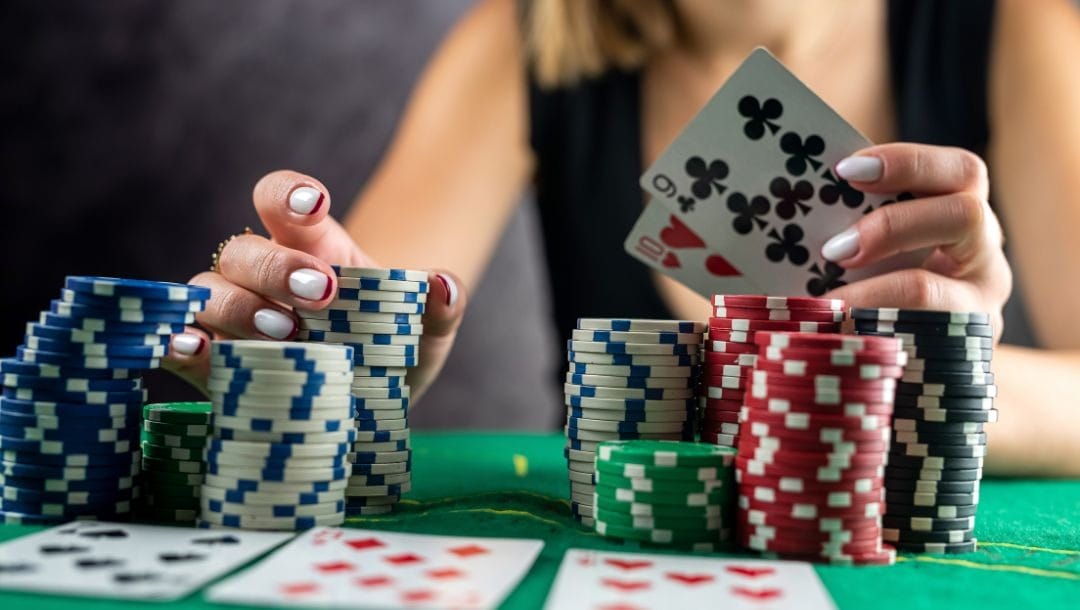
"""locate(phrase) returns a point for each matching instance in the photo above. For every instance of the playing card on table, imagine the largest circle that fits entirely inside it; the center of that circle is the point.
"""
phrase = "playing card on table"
(119, 560)
(752, 175)
(353, 568)
(599, 580)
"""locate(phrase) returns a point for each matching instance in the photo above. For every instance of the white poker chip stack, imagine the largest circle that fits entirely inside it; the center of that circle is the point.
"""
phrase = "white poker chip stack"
(627, 379)
(378, 313)
(282, 427)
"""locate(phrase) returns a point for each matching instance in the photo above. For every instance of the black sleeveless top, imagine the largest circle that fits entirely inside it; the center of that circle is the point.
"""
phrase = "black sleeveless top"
(587, 142)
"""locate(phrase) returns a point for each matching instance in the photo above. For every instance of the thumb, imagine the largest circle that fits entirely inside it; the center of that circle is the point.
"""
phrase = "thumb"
(442, 317)
(295, 209)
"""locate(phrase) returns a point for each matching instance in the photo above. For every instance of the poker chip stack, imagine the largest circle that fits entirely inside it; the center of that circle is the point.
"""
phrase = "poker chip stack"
(627, 379)
(671, 493)
(730, 351)
(378, 313)
(814, 442)
(70, 410)
(943, 400)
(174, 437)
(282, 426)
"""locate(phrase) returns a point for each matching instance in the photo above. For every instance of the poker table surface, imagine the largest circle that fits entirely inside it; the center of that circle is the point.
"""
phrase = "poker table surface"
(515, 485)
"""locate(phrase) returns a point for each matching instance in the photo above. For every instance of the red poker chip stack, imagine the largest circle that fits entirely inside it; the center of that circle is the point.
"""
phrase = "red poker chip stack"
(730, 352)
(814, 442)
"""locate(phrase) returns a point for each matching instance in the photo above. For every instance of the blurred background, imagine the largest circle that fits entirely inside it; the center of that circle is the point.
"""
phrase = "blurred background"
(132, 132)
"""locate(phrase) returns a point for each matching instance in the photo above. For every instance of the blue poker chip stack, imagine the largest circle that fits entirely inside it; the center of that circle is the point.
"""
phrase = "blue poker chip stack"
(943, 401)
(627, 379)
(72, 397)
(378, 313)
(280, 434)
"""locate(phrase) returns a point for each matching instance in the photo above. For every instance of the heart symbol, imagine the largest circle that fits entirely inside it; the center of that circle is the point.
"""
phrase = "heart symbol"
(629, 564)
(750, 572)
(718, 265)
(678, 235)
(689, 579)
(625, 585)
(670, 260)
(757, 594)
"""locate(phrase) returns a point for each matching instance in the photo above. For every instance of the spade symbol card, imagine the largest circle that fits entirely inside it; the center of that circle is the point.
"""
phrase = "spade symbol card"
(124, 561)
(751, 174)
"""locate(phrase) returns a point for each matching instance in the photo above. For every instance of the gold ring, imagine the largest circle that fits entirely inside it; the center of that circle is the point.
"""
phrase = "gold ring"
(215, 258)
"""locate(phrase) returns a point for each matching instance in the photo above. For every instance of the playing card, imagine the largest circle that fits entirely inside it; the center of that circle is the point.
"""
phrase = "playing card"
(119, 560)
(752, 174)
(661, 240)
(599, 580)
(354, 568)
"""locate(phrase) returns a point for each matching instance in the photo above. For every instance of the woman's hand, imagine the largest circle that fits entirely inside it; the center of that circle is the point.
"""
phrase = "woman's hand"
(966, 270)
(259, 281)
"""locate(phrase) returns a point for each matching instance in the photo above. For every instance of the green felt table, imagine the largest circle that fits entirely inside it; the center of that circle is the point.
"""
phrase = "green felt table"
(501, 484)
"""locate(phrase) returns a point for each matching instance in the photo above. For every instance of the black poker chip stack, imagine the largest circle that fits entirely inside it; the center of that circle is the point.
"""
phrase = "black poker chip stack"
(943, 401)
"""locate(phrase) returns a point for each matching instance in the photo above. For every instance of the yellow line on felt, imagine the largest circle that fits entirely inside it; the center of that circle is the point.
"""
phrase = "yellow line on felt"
(965, 563)
(521, 465)
(508, 511)
(1024, 547)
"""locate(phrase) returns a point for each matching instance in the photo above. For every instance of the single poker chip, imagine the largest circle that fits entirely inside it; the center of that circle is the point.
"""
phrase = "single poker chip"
(354, 491)
(35, 459)
(15, 366)
(935, 342)
(946, 390)
(633, 359)
(342, 410)
(929, 414)
(660, 536)
(373, 306)
(806, 485)
(637, 325)
(819, 456)
(155, 427)
(810, 472)
(284, 378)
(260, 498)
(832, 357)
(847, 408)
(292, 475)
(360, 481)
(346, 295)
(623, 519)
(368, 511)
(664, 473)
(130, 400)
(64, 426)
(384, 393)
(89, 362)
(932, 438)
(174, 465)
(156, 479)
(382, 404)
(222, 458)
(726, 382)
(683, 372)
(381, 436)
(927, 524)
(636, 416)
(382, 446)
(380, 424)
(182, 413)
(597, 435)
(279, 390)
(768, 302)
(802, 368)
(638, 509)
(950, 378)
(606, 336)
(380, 468)
(822, 381)
(714, 392)
(227, 400)
(101, 325)
(730, 347)
(586, 391)
(73, 411)
(766, 447)
(409, 275)
(938, 548)
(659, 485)
(578, 455)
(823, 396)
(602, 347)
(271, 523)
(917, 365)
(370, 501)
(665, 454)
(136, 303)
(329, 507)
(809, 510)
(352, 339)
(370, 283)
(102, 484)
(273, 487)
(933, 352)
(342, 436)
(886, 314)
(581, 466)
(933, 487)
(76, 336)
(134, 316)
(292, 364)
(619, 494)
(582, 445)
(923, 329)
(957, 403)
(818, 423)
(915, 425)
(726, 370)
(345, 316)
(286, 350)
(723, 359)
(64, 447)
(379, 382)
(861, 440)
(374, 328)
(827, 341)
(931, 450)
(171, 453)
(935, 462)
(722, 325)
(629, 404)
(622, 381)
(789, 315)
(895, 473)
(118, 287)
(376, 360)
(379, 457)
(913, 498)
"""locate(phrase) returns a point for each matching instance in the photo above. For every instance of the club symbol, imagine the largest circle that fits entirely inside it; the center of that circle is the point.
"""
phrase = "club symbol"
(686, 204)
(748, 212)
(838, 189)
(792, 198)
(801, 153)
(707, 176)
(760, 116)
(787, 246)
(825, 279)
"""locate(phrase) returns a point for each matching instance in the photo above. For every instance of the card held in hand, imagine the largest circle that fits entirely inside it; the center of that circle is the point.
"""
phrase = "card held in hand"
(752, 176)
(355, 568)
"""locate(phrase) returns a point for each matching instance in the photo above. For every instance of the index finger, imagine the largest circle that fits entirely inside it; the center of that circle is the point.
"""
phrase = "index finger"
(917, 168)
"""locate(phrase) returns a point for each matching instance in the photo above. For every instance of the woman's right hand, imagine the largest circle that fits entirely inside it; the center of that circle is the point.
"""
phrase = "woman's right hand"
(259, 281)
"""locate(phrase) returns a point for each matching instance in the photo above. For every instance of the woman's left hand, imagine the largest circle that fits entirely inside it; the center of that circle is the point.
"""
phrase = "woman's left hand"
(966, 269)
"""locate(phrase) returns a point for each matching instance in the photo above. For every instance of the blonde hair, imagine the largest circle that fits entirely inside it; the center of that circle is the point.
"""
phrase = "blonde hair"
(567, 40)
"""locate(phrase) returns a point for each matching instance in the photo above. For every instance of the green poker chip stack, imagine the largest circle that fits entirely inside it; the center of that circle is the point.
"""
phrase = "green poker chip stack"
(667, 493)
(174, 435)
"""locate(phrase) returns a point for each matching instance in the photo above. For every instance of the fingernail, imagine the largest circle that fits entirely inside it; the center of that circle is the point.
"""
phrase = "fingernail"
(860, 169)
(310, 284)
(273, 323)
(841, 246)
(451, 288)
(305, 200)
(188, 344)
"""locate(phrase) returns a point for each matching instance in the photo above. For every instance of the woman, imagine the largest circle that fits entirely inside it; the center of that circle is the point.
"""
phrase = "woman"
(579, 95)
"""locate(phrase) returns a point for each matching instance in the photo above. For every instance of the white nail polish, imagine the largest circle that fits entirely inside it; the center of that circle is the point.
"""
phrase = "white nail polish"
(305, 200)
(860, 169)
(309, 284)
(841, 246)
(187, 344)
(274, 324)
(451, 289)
